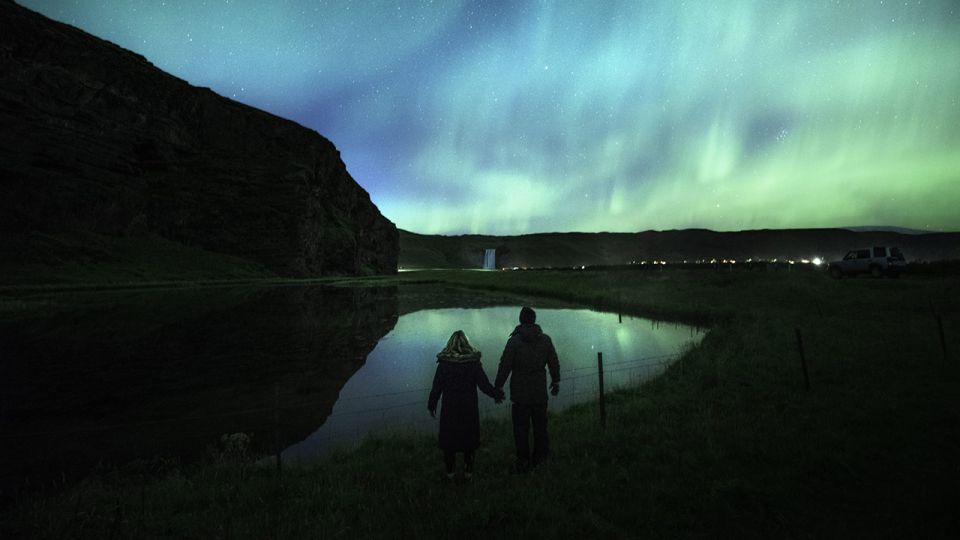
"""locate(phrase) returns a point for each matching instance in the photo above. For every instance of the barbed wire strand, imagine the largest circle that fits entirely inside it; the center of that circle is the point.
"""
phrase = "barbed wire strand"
(631, 364)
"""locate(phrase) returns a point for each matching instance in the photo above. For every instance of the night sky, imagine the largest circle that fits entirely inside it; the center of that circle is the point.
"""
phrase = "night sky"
(514, 117)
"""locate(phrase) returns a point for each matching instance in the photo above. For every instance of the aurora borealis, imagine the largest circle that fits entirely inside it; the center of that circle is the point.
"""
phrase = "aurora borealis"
(517, 117)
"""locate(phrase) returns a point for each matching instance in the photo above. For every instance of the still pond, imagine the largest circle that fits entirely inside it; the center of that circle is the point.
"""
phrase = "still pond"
(99, 379)
(389, 392)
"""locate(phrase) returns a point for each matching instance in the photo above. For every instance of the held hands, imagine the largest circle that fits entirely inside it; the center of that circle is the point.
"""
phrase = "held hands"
(498, 399)
(554, 389)
(433, 412)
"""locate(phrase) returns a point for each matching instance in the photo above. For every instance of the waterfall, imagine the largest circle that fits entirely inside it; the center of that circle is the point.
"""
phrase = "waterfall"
(490, 259)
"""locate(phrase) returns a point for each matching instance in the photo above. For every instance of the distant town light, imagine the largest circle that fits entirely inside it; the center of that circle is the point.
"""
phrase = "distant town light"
(817, 261)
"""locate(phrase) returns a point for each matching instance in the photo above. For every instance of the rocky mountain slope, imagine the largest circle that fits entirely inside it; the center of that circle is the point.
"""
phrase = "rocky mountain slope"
(94, 140)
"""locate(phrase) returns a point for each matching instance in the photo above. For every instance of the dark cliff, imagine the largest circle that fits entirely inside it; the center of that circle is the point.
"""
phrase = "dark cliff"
(95, 139)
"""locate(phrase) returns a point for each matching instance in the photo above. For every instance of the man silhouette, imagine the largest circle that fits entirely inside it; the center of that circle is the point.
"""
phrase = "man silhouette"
(527, 353)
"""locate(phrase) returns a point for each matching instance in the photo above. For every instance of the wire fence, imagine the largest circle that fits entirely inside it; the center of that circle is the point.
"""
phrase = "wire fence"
(575, 377)
(581, 384)
(269, 439)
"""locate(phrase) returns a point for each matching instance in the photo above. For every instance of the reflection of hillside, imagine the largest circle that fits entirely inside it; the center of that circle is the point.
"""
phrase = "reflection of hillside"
(120, 376)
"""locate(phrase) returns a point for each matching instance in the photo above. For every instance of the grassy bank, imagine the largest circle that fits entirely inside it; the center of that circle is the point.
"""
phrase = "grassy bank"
(728, 442)
(84, 260)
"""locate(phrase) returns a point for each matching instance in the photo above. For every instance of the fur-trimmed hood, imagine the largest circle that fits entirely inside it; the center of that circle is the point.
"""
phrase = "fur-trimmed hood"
(458, 349)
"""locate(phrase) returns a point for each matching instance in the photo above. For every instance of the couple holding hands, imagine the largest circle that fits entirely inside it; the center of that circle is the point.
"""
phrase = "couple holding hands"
(527, 355)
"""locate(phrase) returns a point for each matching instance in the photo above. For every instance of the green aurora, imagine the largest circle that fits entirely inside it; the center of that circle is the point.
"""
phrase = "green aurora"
(518, 117)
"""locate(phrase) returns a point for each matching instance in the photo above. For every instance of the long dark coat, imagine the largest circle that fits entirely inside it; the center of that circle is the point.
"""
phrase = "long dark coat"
(457, 383)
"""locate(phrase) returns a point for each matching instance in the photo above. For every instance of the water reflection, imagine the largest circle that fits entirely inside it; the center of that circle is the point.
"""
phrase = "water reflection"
(389, 392)
(110, 377)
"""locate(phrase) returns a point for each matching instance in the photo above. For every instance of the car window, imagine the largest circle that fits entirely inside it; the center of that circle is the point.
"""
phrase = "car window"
(895, 253)
(850, 255)
(879, 252)
(863, 254)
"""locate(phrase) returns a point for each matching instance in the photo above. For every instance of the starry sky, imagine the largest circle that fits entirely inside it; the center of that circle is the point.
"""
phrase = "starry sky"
(511, 117)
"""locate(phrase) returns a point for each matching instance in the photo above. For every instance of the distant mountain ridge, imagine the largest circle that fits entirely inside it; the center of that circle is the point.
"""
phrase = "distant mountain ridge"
(576, 249)
(888, 228)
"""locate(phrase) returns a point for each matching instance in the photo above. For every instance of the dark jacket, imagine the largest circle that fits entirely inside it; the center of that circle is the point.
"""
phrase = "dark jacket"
(457, 383)
(527, 353)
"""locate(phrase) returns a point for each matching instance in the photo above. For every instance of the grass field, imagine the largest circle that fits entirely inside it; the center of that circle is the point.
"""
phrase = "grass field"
(728, 443)
(83, 259)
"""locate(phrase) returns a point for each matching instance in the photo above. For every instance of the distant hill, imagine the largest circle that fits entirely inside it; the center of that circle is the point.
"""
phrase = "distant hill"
(575, 249)
(885, 228)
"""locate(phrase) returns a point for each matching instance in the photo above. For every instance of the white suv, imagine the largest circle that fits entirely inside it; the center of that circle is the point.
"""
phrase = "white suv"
(878, 261)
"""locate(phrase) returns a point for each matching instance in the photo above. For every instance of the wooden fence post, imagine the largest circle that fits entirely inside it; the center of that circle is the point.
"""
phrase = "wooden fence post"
(603, 410)
(803, 359)
(943, 339)
(939, 318)
(115, 528)
(276, 425)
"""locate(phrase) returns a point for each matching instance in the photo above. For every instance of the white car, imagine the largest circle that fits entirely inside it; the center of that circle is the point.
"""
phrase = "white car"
(878, 261)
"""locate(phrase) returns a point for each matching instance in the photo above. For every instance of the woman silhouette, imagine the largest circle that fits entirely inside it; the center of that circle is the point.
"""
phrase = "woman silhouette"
(458, 376)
